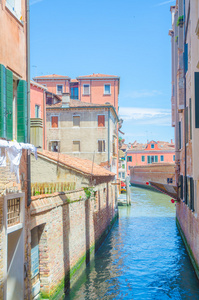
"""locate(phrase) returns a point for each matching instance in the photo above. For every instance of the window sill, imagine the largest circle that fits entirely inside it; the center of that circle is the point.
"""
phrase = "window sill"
(106, 94)
(14, 228)
(85, 94)
(14, 16)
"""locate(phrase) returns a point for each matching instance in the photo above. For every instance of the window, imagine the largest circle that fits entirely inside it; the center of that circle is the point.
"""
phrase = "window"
(196, 100)
(190, 120)
(169, 180)
(54, 122)
(180, 136)
(156, 158)
(173, 157)
(129, 158)
(74, 93)
(13, 106)
(54, 146)
(76, 121)
(86, 89)
(101, 146)
(59, 89)
(15, 7)
(107, 89)
(161, 157)
(143, 158)
(152, 146)
(37, 111)
(186, 125)
(76, 146)
(123, 166)
(13, 211)
(119, 174)
(101, 120)
(123, 175)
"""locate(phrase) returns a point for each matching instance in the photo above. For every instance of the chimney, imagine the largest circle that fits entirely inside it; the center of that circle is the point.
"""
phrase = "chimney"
(171, 141)
(65, 99)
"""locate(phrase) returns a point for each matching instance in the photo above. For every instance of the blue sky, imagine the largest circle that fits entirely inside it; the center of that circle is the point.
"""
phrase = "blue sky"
(128, 38)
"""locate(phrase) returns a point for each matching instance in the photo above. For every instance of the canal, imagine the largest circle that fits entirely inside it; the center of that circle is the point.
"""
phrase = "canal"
(142, 258)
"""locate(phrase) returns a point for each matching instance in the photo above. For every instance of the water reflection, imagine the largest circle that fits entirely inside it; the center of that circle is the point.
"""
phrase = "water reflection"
(142, 258)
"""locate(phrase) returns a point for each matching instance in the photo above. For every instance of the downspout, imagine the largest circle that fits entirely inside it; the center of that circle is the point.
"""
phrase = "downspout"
(28, 94)
(109, 136)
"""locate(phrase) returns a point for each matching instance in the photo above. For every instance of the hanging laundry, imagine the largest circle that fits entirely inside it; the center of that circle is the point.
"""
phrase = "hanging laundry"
(14, 152)
(2, 157)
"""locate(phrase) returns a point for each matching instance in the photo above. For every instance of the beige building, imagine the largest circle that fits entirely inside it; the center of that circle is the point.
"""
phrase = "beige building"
(185, 118)
(84, 130)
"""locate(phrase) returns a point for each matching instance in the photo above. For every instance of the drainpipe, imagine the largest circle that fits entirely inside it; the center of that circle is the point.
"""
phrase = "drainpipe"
(44, 120)
(109, 136)
(28, 94)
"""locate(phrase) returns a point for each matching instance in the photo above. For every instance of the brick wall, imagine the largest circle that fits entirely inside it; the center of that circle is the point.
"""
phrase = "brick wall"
(70, 225)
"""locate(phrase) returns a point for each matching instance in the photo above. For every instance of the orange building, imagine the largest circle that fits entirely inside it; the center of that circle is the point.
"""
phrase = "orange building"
(151, 152)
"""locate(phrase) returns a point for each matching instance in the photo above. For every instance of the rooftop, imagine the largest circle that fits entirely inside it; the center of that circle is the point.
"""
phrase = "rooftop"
(98, 75)
(52, 76)
(78, 164)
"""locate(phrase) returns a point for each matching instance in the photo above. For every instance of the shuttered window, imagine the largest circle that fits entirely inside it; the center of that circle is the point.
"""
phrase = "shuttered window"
(186, 125)
(197, 99)
(185, 190)
(101, 146)
(180, 187)
(179, 137)
(101, 121)
(186, 58)
(22, 111)
(54, 121)
(9, 104)
(2, 101)
(192, 194)
(76, 121)
(76, 146)
(156, 158)
(143, 158)
(190, 119)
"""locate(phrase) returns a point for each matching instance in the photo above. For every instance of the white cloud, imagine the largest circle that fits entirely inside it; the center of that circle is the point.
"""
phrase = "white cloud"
(165, 2)
(32, 2)
(142, 94)
(144, 116)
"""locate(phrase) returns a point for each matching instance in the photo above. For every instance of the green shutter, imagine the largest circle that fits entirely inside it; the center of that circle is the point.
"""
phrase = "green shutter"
(197, 99)
(156, 158)
(179, 137)
(186, 58)
(2, 101)
(9, 108)
(186, 125)
(190, 119)
(22, 111)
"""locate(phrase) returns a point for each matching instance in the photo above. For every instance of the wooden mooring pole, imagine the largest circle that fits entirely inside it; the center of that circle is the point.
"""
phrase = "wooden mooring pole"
(128, 191)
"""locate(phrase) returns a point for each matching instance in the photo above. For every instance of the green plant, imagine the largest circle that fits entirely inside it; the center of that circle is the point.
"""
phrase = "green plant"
(88, 191)
(37, 193)
(180, 21)
(176, 39)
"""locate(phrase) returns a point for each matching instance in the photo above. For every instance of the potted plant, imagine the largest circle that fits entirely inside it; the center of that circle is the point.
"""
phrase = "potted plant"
(180, 21)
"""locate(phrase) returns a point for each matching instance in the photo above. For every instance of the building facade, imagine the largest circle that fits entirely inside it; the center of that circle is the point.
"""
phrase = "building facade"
(185, 118)
(14, 186)
(83, 130)
(149, 153)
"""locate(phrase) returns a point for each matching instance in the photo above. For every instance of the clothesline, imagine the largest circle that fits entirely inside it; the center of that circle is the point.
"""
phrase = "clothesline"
(14, 152)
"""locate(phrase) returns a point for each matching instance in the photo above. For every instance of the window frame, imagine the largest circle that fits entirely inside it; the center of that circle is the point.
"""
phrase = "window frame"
(76, 126)
(57, 89)
(52, 141)
(16, 10)
(107, 84)
(79, 146)
(103, 148)
(88, 94)
(98, 121)
(143, 158)
(51, 122)
(161, 156)
(36, 105)
(128, 158)
(152, 146)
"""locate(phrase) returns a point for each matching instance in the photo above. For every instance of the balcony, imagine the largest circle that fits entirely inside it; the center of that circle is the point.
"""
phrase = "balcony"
(51, 187)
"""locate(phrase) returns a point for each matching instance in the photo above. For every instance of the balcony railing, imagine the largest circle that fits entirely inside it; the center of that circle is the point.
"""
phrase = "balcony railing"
(51, 187)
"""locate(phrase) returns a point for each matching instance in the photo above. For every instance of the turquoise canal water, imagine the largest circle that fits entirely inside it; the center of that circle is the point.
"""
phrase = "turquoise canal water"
(142, 258)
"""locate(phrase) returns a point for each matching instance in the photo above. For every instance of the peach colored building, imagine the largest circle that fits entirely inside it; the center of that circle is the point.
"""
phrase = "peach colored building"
(56, 84)
(15, 268)
(38, 114)
(152, 152)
